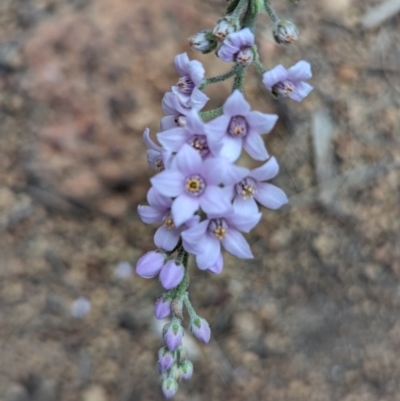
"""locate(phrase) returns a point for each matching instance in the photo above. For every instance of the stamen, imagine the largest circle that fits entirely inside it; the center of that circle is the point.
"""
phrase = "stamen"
(169, 223)
(218, 227)
(238, 126)
(199, 143)
(195, 185)
(185, 85)
(246, 188)
(159, 165)
(283, 88)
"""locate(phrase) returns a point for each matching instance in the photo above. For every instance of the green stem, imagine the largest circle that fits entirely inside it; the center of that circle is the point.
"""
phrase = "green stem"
(184, 284)
(208, 115)
(239, 78)
(240, 8)
(271, 12)
(218, 78)
(260, 68)
(189, 307)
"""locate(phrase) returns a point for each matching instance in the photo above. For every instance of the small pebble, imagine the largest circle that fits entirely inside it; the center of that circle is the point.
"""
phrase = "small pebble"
(80, 308)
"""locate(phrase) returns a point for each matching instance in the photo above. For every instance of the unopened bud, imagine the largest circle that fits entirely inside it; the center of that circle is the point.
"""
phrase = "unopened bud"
(203, 41)
(186, 370)
(224, 27)
(172, 334)
(175, 373)
(169, 387)
(285, 32)
(165, 359)
(200, 328)
(176, 306)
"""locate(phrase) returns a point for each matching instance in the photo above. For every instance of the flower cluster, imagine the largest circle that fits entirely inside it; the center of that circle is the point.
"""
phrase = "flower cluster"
(201, 199)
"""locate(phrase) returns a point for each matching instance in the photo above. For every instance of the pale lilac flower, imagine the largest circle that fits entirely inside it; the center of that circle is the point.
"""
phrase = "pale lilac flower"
(150, 264)
(187, 87)
(157, 157)
(252, 189)
(186, 370)
(165, 359)
(169, 387)
(203, 41)
(80, 308)
(200, 328)
(217, 267)
(289, 82)
(173, 335)
(162, 308)
(171, 274)
(167, 235)
(237, 47)
(176, 112)
(238, 127)
(205, 239)
(195, 183)
(194, 133)
(123, 270)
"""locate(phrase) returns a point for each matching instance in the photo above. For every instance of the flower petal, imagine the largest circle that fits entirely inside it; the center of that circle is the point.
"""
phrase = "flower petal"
(217, 267)
(198, 99)
(243, 222)
(182, 64)
(150, 215)
(169, 183)
(270, 196)
(196, 72)
(208, 259)
(231, 148)
(272, 77)
(267, 171)
(236, 105)
(173, 139)
(217, 128)
(261, 122)
(153, 157)
(168, 103)
(255, 147)
(183, 208)
(215, 201)
(227, 51)
(241, 38)
(192, 238)
(168, 122)
(301, 90)
(245, 206)
(235, 244)
(166, 238)
(157, 200)
(149, 143)
(194, 123)
(301, 71)
(188, 160)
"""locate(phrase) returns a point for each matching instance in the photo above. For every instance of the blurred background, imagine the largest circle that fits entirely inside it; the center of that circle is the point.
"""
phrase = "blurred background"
(314, 317)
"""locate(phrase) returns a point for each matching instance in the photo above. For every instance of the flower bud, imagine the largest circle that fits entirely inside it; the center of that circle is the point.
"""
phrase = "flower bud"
(175, 373)
(200, 328)
(150, 264)
(172, 335)
(169, 387)
(186, 370)
(245, 56)
(203, 42)
(171, 274)
(165, 359)
(162, 308)
(285, 32)
(223, 28)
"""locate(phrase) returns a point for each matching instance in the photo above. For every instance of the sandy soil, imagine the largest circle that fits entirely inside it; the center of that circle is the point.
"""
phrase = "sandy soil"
(314, 317)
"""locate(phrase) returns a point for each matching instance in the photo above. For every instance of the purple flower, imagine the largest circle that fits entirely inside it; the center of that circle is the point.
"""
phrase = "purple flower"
(205, 239)
(187, 87)
(157, 157)
(150, 264)
(217, 267)
(289, 82)
(194, 133)
(171, 274)
(162, 308)
(194, 183)
(169, 387)
(200, 328)
(252, 189)
(165, 359)
(173, 334)
(238, 127)
(167, 235)
(186, 370)
(237, 47)
(175, 112)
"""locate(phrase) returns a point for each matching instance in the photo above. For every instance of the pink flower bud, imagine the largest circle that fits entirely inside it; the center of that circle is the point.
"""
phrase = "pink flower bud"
(173, 334)
(150, 264)
(200, 328)
(162, 308)
(171, 274)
